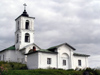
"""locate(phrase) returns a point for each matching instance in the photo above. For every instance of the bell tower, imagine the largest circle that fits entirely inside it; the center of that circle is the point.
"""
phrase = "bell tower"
(24, 34)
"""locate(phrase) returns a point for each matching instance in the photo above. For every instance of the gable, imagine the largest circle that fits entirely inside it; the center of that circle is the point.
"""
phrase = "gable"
(55, 47)
(63, 49)
(30, 47)
(33, 44)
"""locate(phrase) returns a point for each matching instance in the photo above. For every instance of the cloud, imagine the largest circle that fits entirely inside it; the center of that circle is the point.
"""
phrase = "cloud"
(73, 21)
(95, 61)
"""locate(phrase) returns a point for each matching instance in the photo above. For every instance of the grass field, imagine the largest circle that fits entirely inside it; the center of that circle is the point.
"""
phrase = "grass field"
(44, 72)
(12, 68)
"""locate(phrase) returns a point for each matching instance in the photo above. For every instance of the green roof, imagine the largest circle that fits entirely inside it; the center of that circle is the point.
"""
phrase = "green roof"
(41, 50)
(78, 54)
(44, 50)
(9, 48)
(54, 47)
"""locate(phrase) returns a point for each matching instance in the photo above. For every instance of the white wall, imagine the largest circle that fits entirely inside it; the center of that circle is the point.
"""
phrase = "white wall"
(28, 48)
(65, 49)
(32, 61)
(84, 62)
(43, 60)
(22, 32)
(2, 56)
(12, 56)
(39, 60)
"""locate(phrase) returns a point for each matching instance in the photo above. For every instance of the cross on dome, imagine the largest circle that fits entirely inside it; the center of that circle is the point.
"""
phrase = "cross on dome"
(24, 6)
(24, 12)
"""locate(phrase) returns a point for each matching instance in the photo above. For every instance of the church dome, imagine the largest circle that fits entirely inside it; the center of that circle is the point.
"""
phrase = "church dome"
(25, 14)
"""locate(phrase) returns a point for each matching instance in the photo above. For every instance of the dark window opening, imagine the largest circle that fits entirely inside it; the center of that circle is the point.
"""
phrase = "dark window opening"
(18, 25)
(79, 62)
(34, 48)
(48, 60)
(17, 38)
(27, 25)
(64, 62)
(27, 37)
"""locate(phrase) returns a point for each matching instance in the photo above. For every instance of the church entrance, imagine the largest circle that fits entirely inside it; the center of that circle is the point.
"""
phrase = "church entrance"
(65, 60)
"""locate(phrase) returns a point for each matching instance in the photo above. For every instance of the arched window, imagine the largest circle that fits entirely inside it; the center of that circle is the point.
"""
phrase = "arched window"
(27, 24)
(34, 48)
(17, 38)
(27, 37)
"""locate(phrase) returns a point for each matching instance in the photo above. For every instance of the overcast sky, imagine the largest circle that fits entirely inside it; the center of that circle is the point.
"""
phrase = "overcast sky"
(76, 22)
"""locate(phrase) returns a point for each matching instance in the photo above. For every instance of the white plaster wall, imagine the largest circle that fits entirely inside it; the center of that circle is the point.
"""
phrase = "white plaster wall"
(31, 22)
(20, 56)
(28, 48)
(23, 43)
(43, 60)
(32, 61)
(65, 49)
(84, 62)
(1, 56)
(12, 56)
(22, 32)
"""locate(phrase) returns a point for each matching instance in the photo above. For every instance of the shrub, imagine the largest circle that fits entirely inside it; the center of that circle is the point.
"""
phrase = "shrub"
(6, 66)
(2, 62)
(92, 71)
(17, 66)
(3, 71)
(97, 72)
(13, 65)
(70, 70)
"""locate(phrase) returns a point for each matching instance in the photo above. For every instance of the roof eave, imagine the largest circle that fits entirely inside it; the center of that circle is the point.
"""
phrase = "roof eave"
(23, 16)
(84, 55)
(42, 52)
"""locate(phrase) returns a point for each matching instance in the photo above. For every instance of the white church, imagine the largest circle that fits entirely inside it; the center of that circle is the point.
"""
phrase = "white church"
(25, 51)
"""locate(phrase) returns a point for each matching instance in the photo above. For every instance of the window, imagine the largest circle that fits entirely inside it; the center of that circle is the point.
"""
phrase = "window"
(17, 38)
(48, 60)
(27, 24)
(64, 62)
(34, 48)
(79, 62)
(3, 57)
(18, 25)
(27, 37)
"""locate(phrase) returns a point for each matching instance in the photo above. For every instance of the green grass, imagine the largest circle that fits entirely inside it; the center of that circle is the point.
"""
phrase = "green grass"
(14, 68)
(53, 72)
(44, 72)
